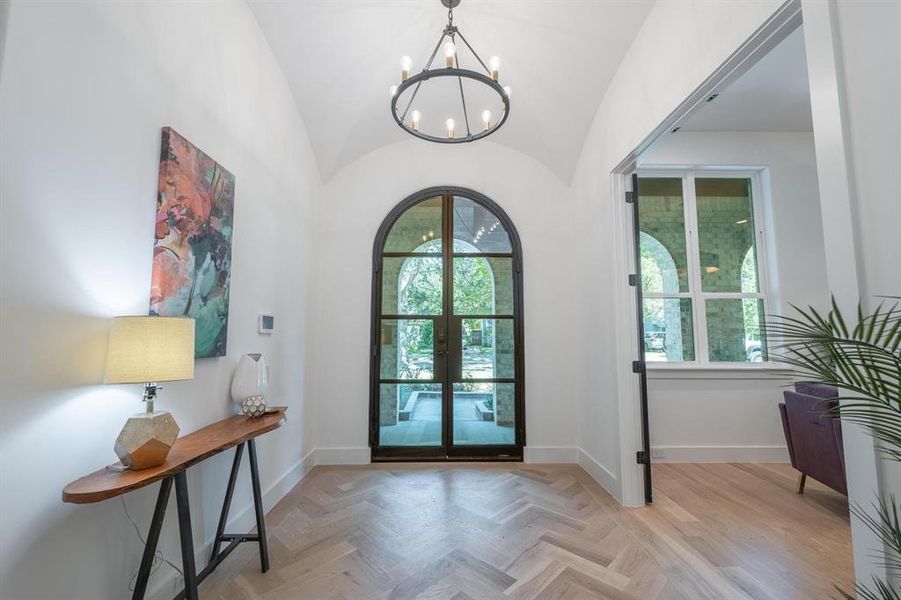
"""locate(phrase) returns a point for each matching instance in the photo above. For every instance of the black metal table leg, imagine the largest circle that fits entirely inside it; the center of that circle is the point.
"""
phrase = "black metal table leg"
(226, 504)
(153, 536)
(258, 506)
(184, 532)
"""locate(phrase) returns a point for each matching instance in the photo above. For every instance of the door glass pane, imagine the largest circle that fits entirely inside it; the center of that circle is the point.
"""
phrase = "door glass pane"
(726, 235)
(661, 215)
(668, 332)
(483, 286)
(477, 229)
(484, 414)
(734, 330)
(411, 285)
(410, 414)
(407, 350)
(418, 229)
(488, 351)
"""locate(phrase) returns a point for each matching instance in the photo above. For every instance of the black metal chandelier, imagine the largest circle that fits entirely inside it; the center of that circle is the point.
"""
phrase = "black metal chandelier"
(487, 85)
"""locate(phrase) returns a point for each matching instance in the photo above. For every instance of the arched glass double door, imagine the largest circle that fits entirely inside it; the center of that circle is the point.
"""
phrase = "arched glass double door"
(447, 359)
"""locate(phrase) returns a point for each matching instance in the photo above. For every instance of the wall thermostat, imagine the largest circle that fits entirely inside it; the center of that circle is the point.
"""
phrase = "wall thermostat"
(266, 324)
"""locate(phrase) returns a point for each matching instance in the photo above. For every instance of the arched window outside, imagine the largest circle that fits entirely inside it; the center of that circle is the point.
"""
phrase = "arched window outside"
(663, 317)
(447, 330)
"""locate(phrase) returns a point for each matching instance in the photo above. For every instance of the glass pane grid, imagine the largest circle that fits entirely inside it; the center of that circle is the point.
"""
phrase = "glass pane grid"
(412, 400)
(724, 279)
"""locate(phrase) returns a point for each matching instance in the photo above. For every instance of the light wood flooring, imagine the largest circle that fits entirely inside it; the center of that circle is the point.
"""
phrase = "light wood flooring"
(512, 531)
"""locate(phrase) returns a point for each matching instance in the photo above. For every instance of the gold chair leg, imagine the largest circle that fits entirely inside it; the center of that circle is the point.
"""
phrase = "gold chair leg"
(802, 479)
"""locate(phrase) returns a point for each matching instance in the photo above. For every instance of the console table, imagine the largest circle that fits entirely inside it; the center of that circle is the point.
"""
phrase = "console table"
(188, 450)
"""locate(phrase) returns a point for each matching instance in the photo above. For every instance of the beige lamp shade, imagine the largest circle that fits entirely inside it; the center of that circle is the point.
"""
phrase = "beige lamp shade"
(150, 349)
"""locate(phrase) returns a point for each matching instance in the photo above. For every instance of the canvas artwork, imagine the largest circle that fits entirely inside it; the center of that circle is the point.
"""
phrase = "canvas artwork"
(192, 251)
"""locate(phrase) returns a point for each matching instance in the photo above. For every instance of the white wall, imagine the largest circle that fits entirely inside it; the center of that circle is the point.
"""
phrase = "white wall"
(727, 417)
(697, 37)
(854, 56)
(86, 88)
(354, 204)
(870, 36)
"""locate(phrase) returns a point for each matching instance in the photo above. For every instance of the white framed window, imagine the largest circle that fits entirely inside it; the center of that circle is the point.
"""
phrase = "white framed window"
(703, 267)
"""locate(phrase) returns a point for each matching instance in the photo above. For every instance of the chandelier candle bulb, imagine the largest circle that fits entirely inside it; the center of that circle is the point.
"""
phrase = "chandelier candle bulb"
(450, 128)
(415, 117)
(406, 63)
(486, 120)
(494, 65)
(449, 52)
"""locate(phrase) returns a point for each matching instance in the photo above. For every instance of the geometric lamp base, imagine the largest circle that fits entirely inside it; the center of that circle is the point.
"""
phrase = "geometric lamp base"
(145, 440)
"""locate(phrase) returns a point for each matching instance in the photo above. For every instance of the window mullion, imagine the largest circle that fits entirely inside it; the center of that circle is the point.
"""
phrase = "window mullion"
(733, 295)
(666, 294)
(692, 245)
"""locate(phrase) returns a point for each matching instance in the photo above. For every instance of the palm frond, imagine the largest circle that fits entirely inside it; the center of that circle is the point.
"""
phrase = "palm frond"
(882, 591)
(887, 527)
(864, 362)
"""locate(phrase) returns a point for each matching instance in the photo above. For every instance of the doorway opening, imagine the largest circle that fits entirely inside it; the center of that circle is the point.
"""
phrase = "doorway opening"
(446, 375)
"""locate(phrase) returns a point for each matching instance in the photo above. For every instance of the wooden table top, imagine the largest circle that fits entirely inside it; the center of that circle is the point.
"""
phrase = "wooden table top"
(187, 450)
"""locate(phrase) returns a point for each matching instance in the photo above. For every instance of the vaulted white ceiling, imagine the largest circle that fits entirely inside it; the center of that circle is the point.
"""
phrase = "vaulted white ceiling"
(341, 56)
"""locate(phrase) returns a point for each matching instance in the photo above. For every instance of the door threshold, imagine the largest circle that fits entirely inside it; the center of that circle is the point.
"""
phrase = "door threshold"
(445, 459)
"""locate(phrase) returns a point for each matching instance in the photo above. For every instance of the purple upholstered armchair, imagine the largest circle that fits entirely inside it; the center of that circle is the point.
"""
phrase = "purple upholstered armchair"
(814, 441)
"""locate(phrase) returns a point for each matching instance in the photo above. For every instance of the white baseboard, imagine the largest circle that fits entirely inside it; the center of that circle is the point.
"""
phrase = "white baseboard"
(243, 520)
(601, 474)
(720, 454)
(550, 454)
(342, 456)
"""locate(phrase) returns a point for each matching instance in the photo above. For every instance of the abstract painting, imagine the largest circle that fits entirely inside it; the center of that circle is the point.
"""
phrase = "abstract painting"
(192, 251)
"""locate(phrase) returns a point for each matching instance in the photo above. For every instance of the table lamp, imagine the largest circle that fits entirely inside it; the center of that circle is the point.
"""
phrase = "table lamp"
(149, 350)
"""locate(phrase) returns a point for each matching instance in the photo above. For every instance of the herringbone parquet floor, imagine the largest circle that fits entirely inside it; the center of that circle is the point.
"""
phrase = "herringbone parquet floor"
(473, 532)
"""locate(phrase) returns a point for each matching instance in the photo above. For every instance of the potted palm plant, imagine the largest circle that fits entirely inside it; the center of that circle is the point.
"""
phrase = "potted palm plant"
(864, 362)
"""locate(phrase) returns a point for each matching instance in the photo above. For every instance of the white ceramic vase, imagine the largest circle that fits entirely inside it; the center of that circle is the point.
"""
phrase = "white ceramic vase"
(250, 378)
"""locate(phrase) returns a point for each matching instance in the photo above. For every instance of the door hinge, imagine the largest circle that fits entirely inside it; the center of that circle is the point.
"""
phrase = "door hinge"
(638, 366)
(375, 349)
(377, 266)
(641, 457)
(630, 197)
(633, 279)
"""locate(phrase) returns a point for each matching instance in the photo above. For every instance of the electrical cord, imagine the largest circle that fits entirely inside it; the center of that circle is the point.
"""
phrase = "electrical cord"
(158, 558)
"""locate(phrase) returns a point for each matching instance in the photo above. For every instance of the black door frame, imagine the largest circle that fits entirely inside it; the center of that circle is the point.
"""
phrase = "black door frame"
(447, 451)
(643, 456)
